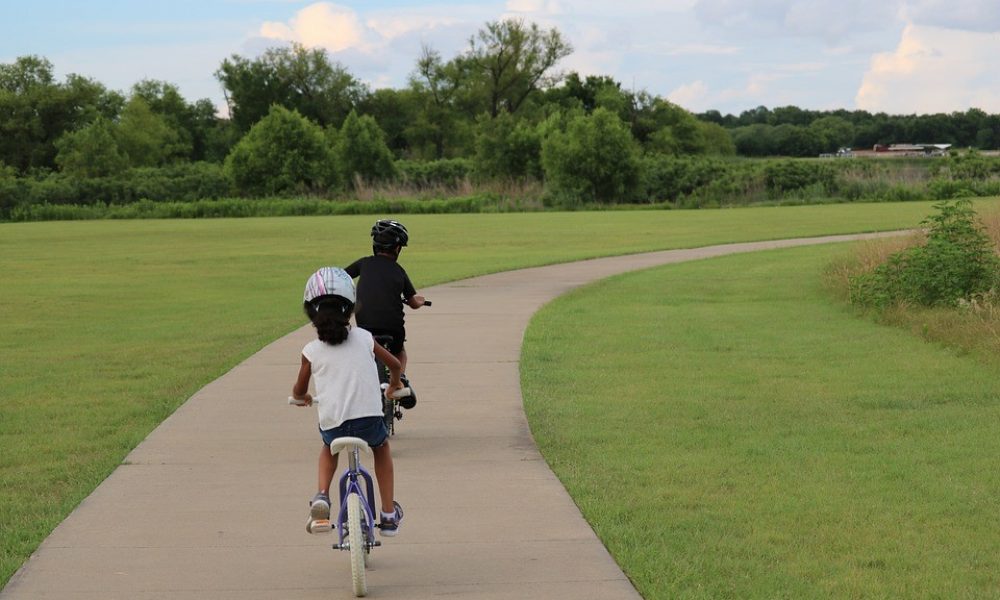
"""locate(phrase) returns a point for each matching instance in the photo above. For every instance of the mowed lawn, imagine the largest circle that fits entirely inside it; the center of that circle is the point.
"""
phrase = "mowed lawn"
(107, 326)
(730, 431)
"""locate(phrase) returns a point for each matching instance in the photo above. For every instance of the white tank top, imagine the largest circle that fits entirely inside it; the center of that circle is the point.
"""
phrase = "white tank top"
(345, 378)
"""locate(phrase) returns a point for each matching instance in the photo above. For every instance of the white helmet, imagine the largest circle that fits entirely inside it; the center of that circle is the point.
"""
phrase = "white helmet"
(330, 281)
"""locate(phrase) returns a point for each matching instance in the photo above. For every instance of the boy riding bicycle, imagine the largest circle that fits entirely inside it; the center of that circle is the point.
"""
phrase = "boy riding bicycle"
(383, 287)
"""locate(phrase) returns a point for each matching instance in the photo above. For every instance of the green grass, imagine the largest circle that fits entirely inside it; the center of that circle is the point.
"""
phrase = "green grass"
(731, 431)
(107, 327)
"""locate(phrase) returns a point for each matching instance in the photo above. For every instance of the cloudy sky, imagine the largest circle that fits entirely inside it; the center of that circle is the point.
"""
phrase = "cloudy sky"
(896, 56)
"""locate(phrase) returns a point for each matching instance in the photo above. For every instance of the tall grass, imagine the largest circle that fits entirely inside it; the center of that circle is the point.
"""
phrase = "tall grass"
(971, 327)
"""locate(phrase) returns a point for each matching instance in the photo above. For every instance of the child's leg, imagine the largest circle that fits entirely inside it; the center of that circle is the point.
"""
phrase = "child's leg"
(384, 475)
(327, 468)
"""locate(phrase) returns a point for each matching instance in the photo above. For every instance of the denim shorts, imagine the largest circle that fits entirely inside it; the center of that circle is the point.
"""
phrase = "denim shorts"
(370, 429)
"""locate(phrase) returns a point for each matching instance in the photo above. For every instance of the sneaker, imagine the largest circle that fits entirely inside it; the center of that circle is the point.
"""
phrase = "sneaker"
(390, 526)
(319, 507)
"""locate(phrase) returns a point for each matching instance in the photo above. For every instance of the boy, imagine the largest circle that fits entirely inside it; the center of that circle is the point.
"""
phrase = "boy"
(383, 287)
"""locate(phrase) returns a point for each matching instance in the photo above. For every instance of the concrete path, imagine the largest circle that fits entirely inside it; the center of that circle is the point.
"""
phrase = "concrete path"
(213, 503)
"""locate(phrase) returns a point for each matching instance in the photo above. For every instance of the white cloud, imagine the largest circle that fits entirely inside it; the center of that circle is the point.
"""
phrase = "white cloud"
(321, 25)
(933, 70)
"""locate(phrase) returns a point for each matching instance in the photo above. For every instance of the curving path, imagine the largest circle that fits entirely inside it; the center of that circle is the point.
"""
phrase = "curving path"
(213, 503)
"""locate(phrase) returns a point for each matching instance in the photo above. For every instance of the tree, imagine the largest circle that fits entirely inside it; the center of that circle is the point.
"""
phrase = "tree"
(511, 60)
(443, 96)
(201, 133)
(832, 133)
(297, 78)
(91, 151)
(146, 138)
(35, 110)
(394, 111)
(594, 159)
(283, 152)
(361, 150)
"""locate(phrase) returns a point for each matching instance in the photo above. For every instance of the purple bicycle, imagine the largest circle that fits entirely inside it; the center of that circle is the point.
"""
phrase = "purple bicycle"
(356, 517)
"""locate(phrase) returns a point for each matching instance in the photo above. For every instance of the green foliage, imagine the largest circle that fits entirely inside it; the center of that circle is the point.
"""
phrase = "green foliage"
(790, 175)
(35, 111)
(146, 138)
(957, 262)
(507, 148)
(594, 160)
(297, 78)
(510, 59)
(184, 182)
(91, 151)
(361, 152)
(447, 172)
(266, 207)
(283, 153)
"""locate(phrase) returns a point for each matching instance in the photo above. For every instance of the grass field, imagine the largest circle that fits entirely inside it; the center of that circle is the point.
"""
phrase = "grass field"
(107, 326)
(730, 431)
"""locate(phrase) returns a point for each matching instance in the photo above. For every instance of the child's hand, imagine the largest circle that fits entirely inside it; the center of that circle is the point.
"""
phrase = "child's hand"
(303, 401)
(392, 388)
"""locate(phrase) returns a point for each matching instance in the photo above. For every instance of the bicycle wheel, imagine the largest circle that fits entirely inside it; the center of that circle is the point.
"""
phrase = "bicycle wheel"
(359, 546)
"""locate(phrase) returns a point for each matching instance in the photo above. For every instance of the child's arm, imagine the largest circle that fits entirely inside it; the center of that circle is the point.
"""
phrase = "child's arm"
(395, 369)
(300, 391)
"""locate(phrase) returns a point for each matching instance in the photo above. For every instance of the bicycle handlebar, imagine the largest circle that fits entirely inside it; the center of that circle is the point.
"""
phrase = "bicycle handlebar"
(400, 393)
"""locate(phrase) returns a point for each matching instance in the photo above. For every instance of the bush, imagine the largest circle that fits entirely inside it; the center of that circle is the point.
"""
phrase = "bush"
(447, 172)
(784, 176)
(507, 148)
(595, 159)
(361, 151)
(957, 263)
(282, 153)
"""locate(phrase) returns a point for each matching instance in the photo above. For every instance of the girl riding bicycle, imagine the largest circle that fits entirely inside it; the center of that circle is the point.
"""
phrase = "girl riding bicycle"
(342, 364)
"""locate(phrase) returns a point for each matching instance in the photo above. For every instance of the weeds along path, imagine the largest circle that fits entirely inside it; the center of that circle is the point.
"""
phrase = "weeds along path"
(213, 503)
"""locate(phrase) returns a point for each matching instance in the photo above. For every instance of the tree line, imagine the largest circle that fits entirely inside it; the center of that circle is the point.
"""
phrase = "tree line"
(300, 122)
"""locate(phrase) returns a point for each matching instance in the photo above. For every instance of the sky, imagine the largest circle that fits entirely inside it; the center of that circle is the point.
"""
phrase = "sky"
(894, 56)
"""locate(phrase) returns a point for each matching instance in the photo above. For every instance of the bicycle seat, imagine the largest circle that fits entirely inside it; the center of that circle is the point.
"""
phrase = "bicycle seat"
(349, 443)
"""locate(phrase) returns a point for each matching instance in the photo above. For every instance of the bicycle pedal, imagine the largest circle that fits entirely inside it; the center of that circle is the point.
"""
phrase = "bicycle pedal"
(398, 415)
(319, 526)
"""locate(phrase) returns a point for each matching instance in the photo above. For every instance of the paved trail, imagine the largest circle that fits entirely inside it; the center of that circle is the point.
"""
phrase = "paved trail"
(213, 503)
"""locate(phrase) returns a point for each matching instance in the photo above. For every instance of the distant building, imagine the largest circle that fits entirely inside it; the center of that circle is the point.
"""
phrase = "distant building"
(913, 149)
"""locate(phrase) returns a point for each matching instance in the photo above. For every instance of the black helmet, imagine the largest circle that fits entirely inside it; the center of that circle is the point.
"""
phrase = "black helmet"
(387, 234)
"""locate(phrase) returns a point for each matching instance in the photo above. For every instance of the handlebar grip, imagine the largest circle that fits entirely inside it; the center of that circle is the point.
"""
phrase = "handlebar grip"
(402, 393)
(296, 402)
(427, 302)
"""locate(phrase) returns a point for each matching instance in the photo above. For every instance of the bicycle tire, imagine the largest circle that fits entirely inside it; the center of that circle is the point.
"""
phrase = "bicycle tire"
(358, 543)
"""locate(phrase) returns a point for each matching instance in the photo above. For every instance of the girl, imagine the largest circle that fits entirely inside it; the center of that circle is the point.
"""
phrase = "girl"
(342, 363)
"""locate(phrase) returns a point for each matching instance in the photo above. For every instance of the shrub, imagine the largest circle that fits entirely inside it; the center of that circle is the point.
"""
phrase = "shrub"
(956, 263)
(447, 172)
(594, 160)
(361, 150)
(283, 152)
(507, 148)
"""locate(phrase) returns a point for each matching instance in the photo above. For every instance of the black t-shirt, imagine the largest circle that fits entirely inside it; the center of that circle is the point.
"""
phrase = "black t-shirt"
(382, 288)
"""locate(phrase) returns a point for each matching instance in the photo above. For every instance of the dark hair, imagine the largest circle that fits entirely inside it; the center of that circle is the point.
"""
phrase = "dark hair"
(331, 316)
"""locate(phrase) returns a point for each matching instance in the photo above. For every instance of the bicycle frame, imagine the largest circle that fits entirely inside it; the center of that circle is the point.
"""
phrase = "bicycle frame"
(351, 482)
